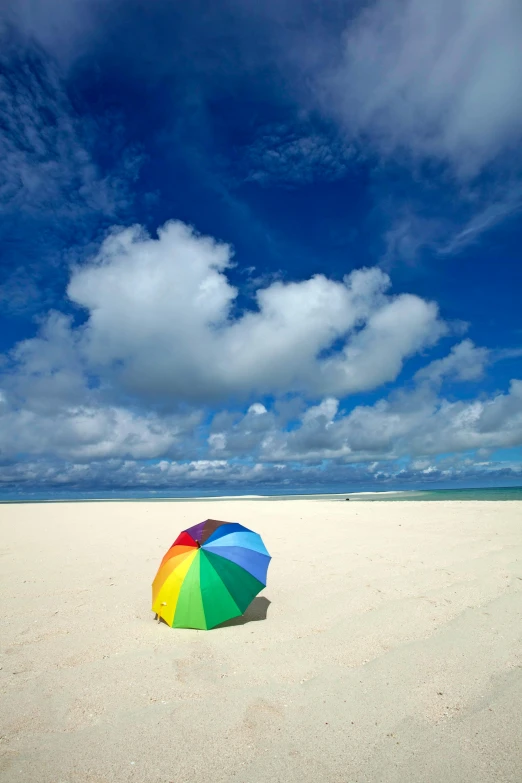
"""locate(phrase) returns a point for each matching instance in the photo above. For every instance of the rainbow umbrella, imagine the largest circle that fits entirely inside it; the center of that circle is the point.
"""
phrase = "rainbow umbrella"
(210, 574)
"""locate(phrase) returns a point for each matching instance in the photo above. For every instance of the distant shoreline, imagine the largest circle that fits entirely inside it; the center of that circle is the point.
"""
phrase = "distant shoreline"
(410, 495)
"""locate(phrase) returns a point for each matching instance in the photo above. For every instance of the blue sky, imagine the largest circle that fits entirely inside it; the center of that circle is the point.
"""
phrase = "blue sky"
(260, 245)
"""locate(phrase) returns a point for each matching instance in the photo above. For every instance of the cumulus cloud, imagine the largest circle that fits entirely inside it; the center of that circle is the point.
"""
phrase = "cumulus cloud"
(465, 362)
(169, 331)
(49, 408)
(236, 435)
(91, 433)
(160, 328)
(257, 408)
(105, 446)
(24, 479)
(415, 423)
(126, 387)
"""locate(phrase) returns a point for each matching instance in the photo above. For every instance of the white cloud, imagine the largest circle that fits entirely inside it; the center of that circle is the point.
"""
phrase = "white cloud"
(159, 326)
(217, 441)
(168, 336)
(504, 413)
(235, 434)
(257, 408)
(416, 423)
(101, 445)
(375, 355)
(45, 373)
(169, 332)
(91, 433)
(26, 478)
(48, 407)
(325, 412)
(432, 79)
(465, 362)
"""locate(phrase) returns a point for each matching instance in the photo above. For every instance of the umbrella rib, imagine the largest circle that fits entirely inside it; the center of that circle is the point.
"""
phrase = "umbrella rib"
(231, 570)
(226, 556)
(189, 603)
(223, 585)
(174, 581)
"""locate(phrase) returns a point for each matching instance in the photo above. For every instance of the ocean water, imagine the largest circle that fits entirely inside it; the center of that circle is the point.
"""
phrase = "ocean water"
(483, 493)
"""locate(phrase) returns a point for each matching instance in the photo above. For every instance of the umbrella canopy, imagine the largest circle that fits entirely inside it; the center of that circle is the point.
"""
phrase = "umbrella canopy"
(210, 574)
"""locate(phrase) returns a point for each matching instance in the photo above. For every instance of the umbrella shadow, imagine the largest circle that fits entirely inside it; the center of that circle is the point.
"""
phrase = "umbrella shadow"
(255, 612)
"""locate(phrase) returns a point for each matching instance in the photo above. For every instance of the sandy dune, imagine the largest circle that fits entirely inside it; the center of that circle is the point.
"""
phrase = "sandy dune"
(386, 647)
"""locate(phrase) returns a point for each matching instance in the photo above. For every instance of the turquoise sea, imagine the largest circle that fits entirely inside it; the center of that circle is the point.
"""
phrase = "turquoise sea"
(483, 493)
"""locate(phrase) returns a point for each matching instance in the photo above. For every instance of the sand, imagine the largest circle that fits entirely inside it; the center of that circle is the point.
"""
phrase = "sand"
(386, 647)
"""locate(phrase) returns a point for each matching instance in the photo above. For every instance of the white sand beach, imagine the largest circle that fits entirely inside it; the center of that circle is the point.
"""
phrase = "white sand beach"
(386, 647)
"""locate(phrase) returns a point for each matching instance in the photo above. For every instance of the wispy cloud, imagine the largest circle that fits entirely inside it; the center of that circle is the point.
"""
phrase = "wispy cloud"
(432, 89)
(46, 163)
(294, 156)
(61, 27)
(506, 205)
(54, 196)
(408, 236)
(437, 80)
(442, 218)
